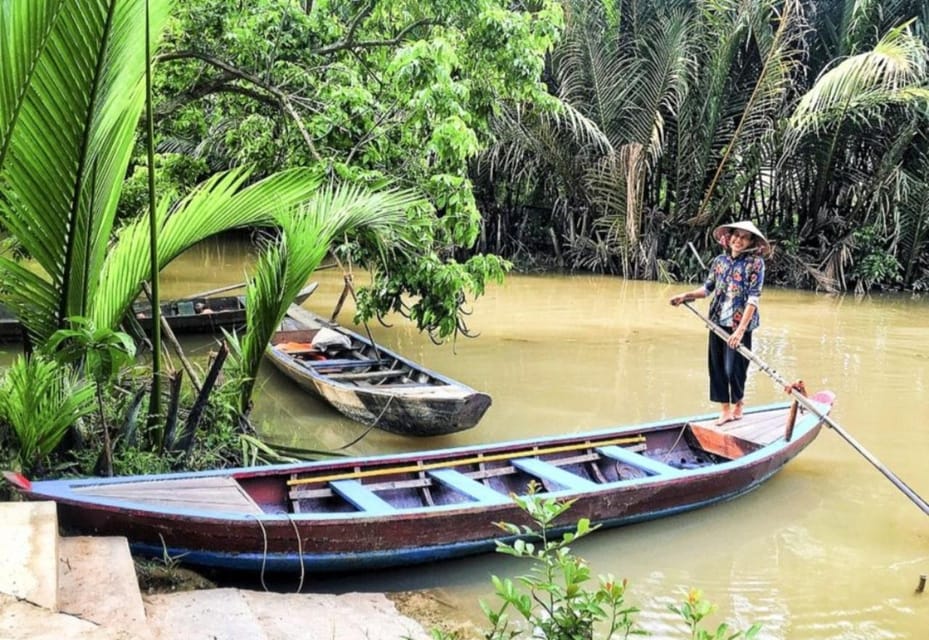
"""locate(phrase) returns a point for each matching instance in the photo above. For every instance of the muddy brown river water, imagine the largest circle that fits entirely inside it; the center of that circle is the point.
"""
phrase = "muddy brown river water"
(828, 549)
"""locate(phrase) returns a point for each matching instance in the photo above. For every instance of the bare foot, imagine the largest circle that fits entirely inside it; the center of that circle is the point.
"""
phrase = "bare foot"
(723, 419)
(737, 413)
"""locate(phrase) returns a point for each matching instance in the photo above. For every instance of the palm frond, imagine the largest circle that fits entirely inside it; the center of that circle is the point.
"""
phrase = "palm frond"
(40, 400)
(24, 33)
(307, 234)
(781, 56)
(69, 144)
(891, 72)
(219, 204)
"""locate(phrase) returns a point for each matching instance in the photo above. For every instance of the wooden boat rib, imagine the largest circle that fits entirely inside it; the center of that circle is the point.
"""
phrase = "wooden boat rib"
(371, 384)
(371, 512)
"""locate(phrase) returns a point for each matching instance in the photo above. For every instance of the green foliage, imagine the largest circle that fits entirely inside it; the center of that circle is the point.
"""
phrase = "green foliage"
(99, 351)
(676, 117)
(694, 609)
(39, 402)
(290, 258)
(553, 601)
(873, 264)
(372, 93)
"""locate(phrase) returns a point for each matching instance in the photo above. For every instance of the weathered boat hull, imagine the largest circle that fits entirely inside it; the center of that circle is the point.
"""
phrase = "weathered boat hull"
(205, 315)
(445, 410)
(425, 403)
(189, 315)
(364, 513)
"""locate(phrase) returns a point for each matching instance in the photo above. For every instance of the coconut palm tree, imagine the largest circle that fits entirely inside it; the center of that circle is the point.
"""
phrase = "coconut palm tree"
(852, 155)
(663, 106)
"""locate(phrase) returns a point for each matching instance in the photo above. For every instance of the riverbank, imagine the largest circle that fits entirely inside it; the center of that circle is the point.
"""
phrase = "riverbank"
(88, 588)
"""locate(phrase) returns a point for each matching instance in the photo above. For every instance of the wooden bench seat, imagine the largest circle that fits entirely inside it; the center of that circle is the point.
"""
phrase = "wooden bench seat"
(649, 465)
(468, 486)
(363, 499)
(365, 375)
(546, 471)
(345, 363)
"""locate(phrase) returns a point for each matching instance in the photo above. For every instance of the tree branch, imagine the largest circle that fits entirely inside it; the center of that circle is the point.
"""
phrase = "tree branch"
(282, 98)
(348, 43)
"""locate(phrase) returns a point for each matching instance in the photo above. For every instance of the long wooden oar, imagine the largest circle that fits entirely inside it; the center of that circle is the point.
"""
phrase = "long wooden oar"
(806, 402)
(213, 292)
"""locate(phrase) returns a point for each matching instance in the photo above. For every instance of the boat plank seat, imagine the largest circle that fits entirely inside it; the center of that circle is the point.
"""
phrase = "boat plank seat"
(468, 486)
(649, 465)
(297, 351)
(740, 437)
(363, 499)
(364, 375)
(545, 471)
(346, 363)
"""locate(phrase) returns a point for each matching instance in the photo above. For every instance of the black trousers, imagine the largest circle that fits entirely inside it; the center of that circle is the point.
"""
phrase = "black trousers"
(728, 369)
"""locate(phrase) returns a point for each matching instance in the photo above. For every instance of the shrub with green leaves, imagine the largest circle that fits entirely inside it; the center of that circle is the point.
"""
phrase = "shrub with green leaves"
(553, 601)
(40, 400)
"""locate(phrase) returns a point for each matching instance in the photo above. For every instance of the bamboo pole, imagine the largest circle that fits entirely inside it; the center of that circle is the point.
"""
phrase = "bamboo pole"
(169, 334)
(812, 406)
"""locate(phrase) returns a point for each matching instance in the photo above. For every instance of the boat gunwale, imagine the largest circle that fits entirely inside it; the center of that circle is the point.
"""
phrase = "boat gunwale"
(66, 490)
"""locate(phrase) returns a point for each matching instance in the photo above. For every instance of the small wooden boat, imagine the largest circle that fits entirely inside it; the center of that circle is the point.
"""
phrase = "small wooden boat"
(199, 314)
(11, 330)
(371, 384)
(393, 510)
(205, 314)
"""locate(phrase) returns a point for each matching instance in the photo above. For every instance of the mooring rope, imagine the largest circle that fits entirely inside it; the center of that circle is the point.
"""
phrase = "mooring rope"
(264, 553)
(370, 426)
(299, 553)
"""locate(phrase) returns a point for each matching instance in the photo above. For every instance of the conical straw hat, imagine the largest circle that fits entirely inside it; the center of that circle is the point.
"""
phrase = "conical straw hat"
(760, 241)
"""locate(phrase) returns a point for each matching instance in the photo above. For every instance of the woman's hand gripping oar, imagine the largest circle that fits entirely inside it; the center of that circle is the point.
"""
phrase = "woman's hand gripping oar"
(806, 402)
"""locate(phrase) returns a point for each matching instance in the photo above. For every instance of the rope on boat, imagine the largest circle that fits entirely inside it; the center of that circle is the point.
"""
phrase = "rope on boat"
(370, 426)
(459, 461)
(264, 552)
(299, 553)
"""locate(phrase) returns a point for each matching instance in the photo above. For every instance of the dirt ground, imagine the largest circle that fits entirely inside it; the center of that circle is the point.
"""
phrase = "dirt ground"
(433, 611)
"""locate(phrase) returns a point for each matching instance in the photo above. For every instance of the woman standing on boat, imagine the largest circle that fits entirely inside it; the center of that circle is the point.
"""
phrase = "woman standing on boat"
(736, 278)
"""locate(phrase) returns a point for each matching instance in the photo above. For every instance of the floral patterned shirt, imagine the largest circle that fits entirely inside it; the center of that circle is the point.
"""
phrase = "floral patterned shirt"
(738, 281)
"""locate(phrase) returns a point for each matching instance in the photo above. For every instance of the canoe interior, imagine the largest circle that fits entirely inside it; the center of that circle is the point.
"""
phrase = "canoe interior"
(360, 364)
(479, 478)
(193, 307)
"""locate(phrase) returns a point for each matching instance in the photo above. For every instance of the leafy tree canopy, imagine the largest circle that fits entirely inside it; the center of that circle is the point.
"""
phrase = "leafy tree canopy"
(377, 92)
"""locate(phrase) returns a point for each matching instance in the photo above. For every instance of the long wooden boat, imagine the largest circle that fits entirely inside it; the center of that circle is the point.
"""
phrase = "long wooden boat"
(205, 314)
(369, 383)
(199, 314)
(400, 509)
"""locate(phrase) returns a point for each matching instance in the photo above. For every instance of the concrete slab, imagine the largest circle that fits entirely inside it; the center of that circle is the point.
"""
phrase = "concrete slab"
(29, 562)
(21, 620)
(350, 616)
(233, 614)
(97, 582)
(214, 614)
